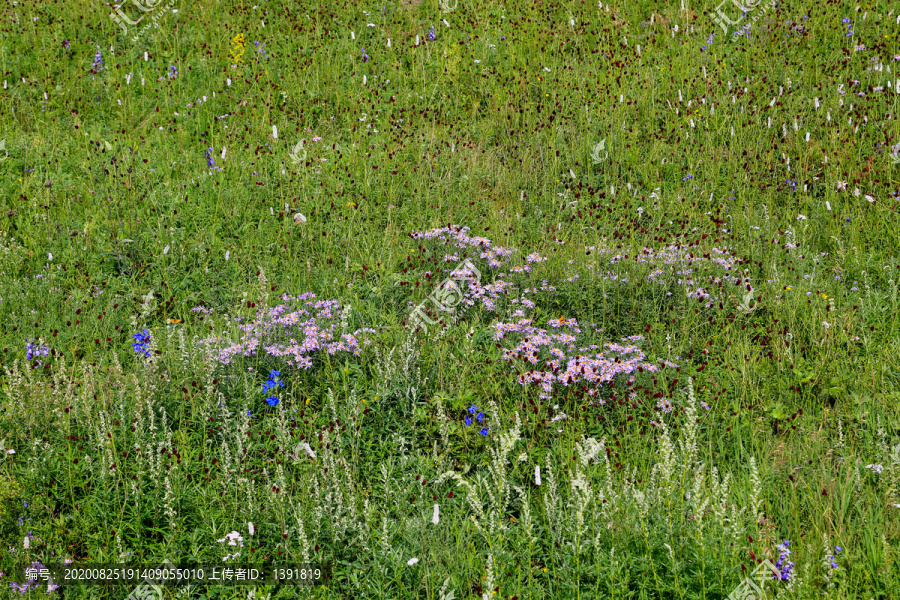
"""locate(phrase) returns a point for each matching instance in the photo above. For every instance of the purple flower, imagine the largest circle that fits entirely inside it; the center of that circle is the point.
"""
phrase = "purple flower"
(98, 62)
(173, 72)
(689, 176)
(783, 564)
(431, 34)
(365, 57)
(209, 159)
(32, 350)
(66, 44)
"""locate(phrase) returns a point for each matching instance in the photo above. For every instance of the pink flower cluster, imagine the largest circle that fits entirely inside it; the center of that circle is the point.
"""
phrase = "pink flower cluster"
(560, 365)
(275, 328)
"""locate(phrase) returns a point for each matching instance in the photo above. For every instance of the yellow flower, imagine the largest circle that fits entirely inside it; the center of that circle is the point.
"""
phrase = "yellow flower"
(787, 287)
(824, 296)
(307, 401)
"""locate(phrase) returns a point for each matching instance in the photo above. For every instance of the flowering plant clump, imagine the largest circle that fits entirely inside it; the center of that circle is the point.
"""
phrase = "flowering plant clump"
(560, 365)
(783, 564)
(274, 330)
(271, 383)
(142, 342)
(32, 350)
(479, 417)
(237, 48)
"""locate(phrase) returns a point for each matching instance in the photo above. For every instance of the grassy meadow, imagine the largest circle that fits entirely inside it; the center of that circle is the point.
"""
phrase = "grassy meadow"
(452, 299)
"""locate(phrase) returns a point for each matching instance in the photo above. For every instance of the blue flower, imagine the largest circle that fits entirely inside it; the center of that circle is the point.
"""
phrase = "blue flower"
(209, 159)
(473, 409)
(845, 20)
(480, 417)
(688, 177)
(468, 421)
(272, 400)
(365, 57)
(431, 34)
(142, 340)
(484, 431)
(838, 549)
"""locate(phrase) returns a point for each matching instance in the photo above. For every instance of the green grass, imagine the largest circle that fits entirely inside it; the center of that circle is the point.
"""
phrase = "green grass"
(491, 125)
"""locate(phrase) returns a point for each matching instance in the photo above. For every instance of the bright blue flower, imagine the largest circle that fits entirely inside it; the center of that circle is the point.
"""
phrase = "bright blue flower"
(484, 431)
(468, 421)
(272, 400)
(480, 417)
(142, 340)
(473, 409)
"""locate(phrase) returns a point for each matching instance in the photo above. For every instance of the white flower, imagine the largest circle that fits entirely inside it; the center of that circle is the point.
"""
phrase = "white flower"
(26, 543)
(251, 527)
(166, 249)
(233, 539)
(299, 218)
(537, 475)
(412, 561)
(801, 217)
(49, 256)
(436, 516)
(826, 324)
(876, 468)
